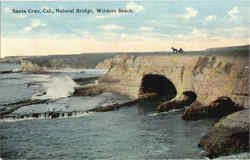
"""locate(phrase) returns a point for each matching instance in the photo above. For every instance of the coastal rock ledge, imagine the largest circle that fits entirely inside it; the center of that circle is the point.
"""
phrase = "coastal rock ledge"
(219, 108)
(228, 136)
(209, 77)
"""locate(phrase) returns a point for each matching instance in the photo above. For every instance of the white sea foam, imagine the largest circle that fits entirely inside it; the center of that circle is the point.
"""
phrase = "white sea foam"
(16, 70)
(87, 71)
(162, 113)
(95, 71)
(84, 114)
(67, 70)
(239, 156)
(7, 120)
(40, 78)
(57, 87)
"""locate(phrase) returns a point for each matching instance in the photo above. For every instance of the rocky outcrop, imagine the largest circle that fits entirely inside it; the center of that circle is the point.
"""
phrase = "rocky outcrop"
(187, 99)
(89, 90)
(11, 107)
(10, 71)
(114, 106)
(208, 76)
(6, 113)
(220, 107)
(229, 135)
(159, 84)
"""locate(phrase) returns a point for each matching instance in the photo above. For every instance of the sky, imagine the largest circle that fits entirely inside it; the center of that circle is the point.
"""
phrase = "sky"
(148, 26)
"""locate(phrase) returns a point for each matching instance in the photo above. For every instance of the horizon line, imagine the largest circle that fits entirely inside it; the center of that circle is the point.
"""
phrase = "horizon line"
(124, 52)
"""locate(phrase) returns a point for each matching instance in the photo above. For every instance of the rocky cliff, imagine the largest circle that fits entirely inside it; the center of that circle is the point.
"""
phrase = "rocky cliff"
(208, 76)
(37, 63)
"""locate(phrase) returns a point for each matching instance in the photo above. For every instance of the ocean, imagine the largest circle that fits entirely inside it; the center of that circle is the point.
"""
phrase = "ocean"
(116, 135)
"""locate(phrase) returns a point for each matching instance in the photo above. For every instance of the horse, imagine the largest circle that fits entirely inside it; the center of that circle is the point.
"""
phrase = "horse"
(180, 50)
(174, 50)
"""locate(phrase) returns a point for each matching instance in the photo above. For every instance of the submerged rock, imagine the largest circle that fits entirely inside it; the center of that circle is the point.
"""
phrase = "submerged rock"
(228, 136)
(187, 99)
(222, 106)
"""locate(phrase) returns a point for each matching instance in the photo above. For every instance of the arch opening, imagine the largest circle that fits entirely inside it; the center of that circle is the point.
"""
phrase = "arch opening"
(159, 84)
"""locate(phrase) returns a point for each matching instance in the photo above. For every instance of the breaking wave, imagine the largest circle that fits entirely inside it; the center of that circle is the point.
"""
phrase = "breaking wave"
(57, 87)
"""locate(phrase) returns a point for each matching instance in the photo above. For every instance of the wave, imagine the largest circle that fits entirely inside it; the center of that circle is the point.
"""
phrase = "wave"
(238, 156)
(57, 87)
(73, 70)
(163, 113)
(44, 116)
(96, 71)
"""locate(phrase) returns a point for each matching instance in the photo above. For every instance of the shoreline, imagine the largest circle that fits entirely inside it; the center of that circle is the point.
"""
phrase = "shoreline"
(105, 85)
(209, 77)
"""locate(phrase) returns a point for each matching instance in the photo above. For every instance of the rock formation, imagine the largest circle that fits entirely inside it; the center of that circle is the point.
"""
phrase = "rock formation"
(154, 89)
(11, 107)
(187, 99)
(10, 71)
(229, 135)
(220, 107)
(208, 76)
(89, 91)
(159, 84)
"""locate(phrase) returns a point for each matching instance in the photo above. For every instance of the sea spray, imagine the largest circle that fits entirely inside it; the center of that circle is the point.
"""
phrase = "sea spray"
(60, 87)
(57, 87)
(95, 71)
(40, 77)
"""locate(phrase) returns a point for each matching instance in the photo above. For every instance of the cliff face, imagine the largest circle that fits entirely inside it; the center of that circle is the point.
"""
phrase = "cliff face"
(209, 76)
(37, 63)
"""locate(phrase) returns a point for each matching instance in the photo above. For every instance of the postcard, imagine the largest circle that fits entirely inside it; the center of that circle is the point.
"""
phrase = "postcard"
(124, 79)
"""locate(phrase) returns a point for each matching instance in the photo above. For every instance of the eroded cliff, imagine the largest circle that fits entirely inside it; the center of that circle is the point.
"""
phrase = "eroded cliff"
(209, 76)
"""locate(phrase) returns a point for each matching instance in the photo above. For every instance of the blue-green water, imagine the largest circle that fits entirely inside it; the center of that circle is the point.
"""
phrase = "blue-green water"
(123, 134)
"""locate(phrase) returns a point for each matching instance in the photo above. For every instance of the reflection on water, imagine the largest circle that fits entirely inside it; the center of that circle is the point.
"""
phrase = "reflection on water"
(146, 107)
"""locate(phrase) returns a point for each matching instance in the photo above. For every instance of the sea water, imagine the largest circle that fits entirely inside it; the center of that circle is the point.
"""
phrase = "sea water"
(122, 134)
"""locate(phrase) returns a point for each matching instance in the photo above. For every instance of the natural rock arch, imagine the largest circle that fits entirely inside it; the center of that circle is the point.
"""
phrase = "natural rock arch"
(159, 84)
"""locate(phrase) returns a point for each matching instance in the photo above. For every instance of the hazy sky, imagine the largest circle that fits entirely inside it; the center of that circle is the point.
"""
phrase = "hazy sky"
(152, 26)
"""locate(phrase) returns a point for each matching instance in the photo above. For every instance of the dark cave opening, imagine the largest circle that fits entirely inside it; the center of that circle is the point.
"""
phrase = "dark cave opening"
(159, 84)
